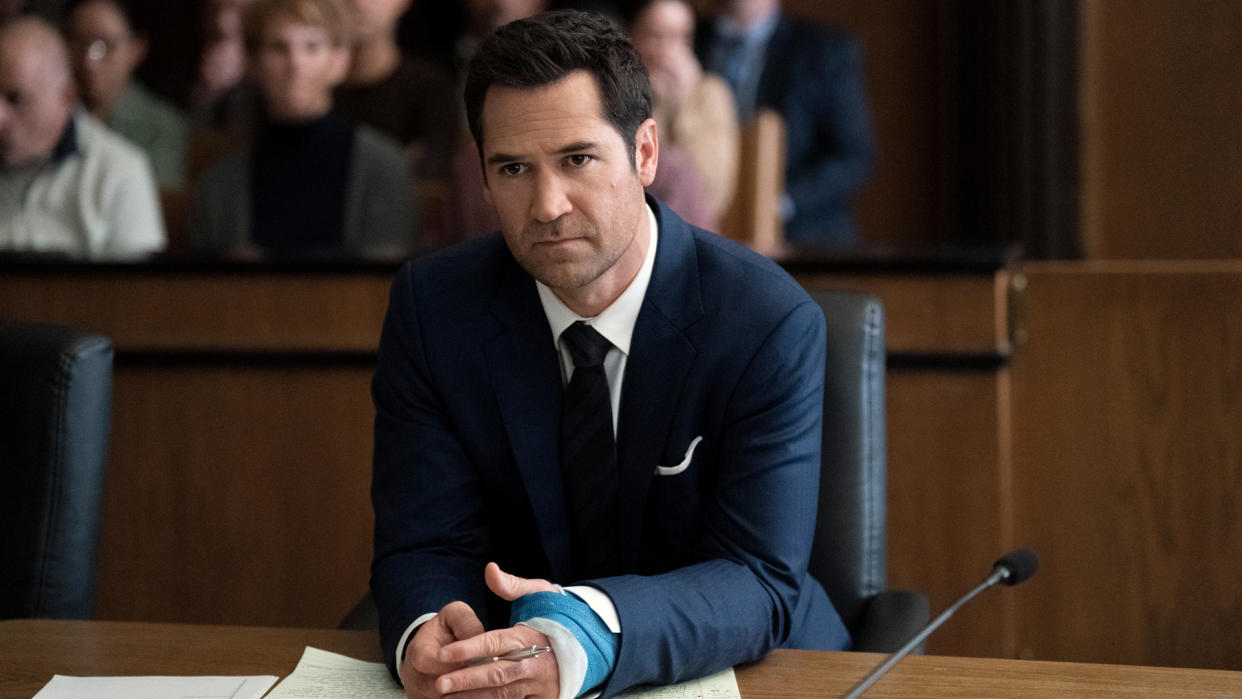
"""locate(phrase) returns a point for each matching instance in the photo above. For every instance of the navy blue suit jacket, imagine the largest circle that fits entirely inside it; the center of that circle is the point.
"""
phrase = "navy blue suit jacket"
(812, 76)
(467, 392)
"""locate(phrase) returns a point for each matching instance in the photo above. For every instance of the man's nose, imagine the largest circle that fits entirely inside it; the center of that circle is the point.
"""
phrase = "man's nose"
(550, 200)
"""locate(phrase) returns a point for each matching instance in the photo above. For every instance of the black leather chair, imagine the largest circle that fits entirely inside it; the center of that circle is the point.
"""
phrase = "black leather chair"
(848, 553)
(55, 417)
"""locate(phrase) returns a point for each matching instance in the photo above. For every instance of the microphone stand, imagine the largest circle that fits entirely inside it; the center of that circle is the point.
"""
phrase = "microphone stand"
(999, 574)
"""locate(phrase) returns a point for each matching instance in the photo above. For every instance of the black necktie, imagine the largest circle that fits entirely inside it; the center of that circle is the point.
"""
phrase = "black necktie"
(589, 455)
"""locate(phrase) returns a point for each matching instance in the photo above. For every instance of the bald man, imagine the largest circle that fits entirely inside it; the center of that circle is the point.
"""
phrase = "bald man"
(67, 184)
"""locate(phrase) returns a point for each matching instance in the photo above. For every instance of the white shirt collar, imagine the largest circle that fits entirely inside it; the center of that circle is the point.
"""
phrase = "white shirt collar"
(616, 323)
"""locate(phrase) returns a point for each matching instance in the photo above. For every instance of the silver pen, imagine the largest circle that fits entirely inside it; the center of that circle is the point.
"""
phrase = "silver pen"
(514, 655)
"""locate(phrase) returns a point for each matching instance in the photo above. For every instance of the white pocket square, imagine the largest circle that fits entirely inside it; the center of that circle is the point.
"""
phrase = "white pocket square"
(685, 463)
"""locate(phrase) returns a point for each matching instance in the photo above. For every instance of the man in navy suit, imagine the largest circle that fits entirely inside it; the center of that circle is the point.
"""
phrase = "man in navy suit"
(812, 76)
(707, 366)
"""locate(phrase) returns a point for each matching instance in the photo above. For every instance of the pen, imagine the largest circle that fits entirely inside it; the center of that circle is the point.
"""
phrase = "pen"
(515, 655)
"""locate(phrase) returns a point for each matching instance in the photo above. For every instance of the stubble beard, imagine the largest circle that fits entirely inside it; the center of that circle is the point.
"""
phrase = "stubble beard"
(572, 273)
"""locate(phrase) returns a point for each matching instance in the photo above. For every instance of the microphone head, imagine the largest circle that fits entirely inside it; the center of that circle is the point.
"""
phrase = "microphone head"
(1019, 565)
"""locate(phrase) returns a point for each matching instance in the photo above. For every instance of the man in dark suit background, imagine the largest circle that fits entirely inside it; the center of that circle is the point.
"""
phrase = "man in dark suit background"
(600, 394)
(812, 76)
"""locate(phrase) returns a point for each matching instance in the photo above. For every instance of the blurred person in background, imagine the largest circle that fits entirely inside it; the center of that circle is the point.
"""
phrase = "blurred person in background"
(694, 110)
(67, 183)
(812, 76)
(220, 97)
(409, 100)
(311, 180)
(107, 43)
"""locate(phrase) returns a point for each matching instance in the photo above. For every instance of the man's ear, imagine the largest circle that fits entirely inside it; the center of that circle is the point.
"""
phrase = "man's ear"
(646, 151)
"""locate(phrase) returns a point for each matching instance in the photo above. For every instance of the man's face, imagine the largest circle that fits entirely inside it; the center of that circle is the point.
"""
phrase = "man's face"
(297, 65)
(559, 175)
(377, 18)
(104, 51)
(34, 104)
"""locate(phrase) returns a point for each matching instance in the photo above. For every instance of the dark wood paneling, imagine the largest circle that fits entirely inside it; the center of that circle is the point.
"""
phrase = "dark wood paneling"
(947, 507)
(1161, 142)
(933, 313)
(1128, 462)
(237, 494)
(186, 311)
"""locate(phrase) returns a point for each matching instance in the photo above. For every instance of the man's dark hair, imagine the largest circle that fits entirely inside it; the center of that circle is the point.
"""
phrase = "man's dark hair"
(545, 48)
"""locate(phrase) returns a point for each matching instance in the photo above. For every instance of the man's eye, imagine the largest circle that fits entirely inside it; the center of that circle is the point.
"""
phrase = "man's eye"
(578, 159)
(512, 169)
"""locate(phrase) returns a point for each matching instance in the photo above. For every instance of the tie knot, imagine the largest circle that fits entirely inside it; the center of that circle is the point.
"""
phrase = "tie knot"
(585, 344)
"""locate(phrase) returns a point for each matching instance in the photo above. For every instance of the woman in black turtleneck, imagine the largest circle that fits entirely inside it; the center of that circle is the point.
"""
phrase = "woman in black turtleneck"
(312, 181)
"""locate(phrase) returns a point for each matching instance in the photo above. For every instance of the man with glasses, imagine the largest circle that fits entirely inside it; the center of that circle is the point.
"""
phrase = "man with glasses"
(107, 46)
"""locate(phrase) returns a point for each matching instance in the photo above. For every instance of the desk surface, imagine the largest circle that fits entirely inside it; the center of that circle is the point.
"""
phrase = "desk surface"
(31, 651)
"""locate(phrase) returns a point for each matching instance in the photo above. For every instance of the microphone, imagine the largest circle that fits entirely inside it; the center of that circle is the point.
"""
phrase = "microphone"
(1010, 569)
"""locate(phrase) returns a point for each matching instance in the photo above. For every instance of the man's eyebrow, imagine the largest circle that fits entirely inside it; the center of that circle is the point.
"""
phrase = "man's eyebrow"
(575, 147)
(499, 158)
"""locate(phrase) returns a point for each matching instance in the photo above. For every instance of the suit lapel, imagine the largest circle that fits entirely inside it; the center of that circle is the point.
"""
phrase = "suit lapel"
(655, 373)
(522, 363)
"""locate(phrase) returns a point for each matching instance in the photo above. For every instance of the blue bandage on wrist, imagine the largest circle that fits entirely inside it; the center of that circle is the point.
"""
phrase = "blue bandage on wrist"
(596, 640)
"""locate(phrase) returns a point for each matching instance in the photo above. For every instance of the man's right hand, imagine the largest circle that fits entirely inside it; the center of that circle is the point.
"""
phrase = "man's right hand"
(456, 622)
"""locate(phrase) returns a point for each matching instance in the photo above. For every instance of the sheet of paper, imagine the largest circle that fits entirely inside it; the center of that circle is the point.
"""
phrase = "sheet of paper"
(64, 687)
(324, 675)
(722, 685)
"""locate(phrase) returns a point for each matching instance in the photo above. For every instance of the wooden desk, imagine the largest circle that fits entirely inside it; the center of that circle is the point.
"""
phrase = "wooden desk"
(33, 650)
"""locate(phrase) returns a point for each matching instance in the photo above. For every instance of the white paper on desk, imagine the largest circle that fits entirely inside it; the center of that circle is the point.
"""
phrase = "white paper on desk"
(722, 685)
(324, 675)
(65, 687)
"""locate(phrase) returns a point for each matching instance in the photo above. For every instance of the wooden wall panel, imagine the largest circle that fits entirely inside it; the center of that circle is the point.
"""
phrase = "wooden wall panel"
(1128, 463)
(1160, 137)
(237, 494)
(948, 505)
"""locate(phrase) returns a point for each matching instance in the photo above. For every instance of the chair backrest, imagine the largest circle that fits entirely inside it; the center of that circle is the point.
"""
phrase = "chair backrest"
(848, 554)
(54, 424)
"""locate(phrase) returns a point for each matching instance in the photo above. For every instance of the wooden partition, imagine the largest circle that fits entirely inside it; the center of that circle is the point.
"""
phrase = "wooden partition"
(1128, 462)
(240, 464)
(238, 485)
(753, 217)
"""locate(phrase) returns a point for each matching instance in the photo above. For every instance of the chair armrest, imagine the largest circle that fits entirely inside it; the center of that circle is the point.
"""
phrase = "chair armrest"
(891, 619)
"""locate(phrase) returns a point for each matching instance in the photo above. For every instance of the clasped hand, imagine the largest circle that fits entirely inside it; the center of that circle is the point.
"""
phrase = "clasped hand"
(435, 660)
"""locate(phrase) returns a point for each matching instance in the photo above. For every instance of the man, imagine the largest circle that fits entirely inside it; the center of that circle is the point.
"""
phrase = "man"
(108, 43)
(812, 76)
(67, 184)
(600, 394)
(408, 100)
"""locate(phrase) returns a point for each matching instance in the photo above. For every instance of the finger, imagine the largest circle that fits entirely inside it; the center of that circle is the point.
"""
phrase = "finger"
(505, 676)
(521, 688)
(510, 587)
(490, 643)
(460, 621)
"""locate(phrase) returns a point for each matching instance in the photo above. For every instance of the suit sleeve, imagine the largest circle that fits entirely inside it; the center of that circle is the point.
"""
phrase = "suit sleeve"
(740, 601)
(843, 139)
(430, 537)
